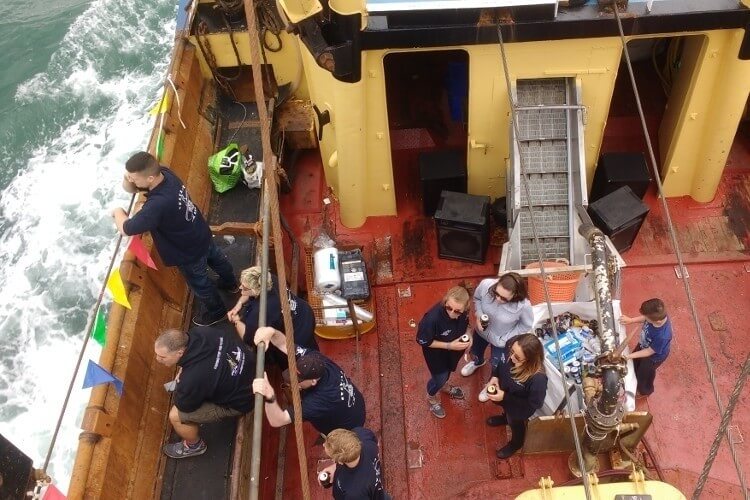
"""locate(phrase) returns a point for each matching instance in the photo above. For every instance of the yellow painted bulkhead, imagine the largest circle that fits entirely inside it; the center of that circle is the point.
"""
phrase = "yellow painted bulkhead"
(356, 148)
(697, 130)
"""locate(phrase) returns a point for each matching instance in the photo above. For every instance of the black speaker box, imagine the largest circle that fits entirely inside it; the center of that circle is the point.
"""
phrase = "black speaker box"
(619, 215)
(463, 226)
(438, 171)
(620, 169)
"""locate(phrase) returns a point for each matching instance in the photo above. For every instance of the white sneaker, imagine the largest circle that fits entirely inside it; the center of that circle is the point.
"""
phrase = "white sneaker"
(471, 367)
(483, 397)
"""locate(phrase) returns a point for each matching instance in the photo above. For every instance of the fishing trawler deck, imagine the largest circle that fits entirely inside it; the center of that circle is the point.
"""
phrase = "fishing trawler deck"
(424, 457)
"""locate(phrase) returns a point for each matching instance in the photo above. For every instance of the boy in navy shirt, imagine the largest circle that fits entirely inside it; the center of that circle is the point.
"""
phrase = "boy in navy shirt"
(653, 347)
(356, 473)
(180, 233)
(329, 399)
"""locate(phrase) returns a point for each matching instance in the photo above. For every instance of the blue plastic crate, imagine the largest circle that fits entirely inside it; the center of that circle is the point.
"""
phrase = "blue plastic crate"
(569, 347)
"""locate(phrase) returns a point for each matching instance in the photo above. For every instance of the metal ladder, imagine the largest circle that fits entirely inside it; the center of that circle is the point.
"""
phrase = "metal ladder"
(550, 122)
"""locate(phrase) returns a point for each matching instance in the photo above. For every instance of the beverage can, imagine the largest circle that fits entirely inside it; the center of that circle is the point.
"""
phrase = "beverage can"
(465, 337)
(491, 389)
(325, 479)
(484, 320)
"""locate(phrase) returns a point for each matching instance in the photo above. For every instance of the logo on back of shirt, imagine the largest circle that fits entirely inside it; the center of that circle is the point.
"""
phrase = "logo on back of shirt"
(184, 202)
(236, 361)
(376, 468)
(292, 302)
(446, 333)
(346, 388)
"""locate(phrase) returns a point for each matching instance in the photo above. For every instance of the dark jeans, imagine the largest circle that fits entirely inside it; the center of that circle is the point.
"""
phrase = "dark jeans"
(478, 348)
(196, 276)
(437, 382)
(645, 373)
(517, 433)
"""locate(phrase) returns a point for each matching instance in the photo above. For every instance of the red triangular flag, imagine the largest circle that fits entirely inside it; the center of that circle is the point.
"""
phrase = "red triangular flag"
(141, 253)
(53, 493)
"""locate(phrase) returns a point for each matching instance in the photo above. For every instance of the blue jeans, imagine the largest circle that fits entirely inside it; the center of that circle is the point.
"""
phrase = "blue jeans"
(437, 382)
(497, 354)
(196, 276)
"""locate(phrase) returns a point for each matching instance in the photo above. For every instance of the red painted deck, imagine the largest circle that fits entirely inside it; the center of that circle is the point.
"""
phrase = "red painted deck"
(454, 458)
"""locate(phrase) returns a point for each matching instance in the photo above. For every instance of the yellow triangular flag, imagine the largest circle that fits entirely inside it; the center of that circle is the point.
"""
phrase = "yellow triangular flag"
(161, 107)
(117, 288)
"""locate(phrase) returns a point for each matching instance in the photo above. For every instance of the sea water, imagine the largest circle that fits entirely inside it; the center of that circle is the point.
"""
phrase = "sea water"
(77, 81)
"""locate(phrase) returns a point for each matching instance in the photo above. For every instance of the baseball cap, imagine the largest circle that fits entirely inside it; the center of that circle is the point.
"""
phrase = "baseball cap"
(311, 366)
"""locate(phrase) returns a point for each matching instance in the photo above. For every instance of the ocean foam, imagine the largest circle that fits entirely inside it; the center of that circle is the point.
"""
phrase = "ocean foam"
(55, 226)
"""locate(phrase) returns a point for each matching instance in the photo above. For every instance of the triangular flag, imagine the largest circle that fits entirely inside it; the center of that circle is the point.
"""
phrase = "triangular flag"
(53, 493)
(99, 332)
(160, 145)
(161, 107)
(117, 288)
(139, 250)
(96, 375)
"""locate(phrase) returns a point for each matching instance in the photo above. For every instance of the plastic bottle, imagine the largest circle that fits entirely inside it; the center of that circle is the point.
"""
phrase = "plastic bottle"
(484, 320)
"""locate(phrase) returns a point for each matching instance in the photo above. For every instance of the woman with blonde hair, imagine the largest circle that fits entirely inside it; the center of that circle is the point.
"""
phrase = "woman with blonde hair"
(246, 323)
(439, 334)
(520, 387)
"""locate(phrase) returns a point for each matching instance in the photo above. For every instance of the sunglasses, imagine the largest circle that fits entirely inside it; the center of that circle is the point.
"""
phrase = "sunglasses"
(500, 297)
(449, 309)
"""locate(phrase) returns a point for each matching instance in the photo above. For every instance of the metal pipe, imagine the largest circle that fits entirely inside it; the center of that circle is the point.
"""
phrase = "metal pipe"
(604, 411)
(260, 356)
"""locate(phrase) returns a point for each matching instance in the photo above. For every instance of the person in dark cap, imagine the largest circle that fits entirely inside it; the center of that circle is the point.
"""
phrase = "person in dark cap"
(329, 399)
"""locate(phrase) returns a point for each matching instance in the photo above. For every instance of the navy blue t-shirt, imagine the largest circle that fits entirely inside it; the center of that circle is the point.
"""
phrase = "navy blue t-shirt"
(303, 317)
(657, 338)
(178, 228)
(437, 325)
(216, 367)
(521, 399)
(365, 481)
(334, 402)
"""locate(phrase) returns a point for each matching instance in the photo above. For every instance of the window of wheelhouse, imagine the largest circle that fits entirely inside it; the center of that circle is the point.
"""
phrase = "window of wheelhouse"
(427, 98)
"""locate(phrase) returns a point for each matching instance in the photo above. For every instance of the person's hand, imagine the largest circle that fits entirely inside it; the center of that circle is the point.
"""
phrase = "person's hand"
(233, 316)
(497, 397)
(479, 325)
(118, 211)
(331, 470)
(263, 386)
(264, 334)
(235, 311)
(626, 320)
(457, 345)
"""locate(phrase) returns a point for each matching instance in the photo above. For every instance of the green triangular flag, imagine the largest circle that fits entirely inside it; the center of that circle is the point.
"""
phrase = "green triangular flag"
(159, 145)
(99, 333)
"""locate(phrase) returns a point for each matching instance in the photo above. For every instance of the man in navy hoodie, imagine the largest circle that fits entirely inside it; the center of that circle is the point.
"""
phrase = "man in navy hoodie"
(213, 382)
(180, 233)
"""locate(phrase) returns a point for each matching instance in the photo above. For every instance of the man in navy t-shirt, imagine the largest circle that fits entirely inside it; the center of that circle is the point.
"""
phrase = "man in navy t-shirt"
(179, 231)
(653, 347)
(329, 399)
(357, 471)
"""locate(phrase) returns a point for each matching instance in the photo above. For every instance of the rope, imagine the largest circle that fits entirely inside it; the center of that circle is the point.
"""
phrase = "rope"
(525, 181)
(270, 22)
(676, 246)
(725, 419)
(179, 104)
(89, 327)
(272, 193)
(208, 56)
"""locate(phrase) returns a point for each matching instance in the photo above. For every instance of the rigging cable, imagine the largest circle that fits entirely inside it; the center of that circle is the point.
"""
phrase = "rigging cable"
(676, 246)
(525, 180)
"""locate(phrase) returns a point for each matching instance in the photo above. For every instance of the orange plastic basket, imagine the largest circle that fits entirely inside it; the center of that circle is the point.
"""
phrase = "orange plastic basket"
(562, 286)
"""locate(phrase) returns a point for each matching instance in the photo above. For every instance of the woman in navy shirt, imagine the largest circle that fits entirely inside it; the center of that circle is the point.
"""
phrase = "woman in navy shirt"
(521, 387)
(439, 335)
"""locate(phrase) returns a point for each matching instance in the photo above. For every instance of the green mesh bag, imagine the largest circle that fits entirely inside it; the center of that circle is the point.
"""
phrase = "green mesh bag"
(225, 168)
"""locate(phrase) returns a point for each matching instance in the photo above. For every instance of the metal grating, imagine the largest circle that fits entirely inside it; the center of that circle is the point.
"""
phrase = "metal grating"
(550, 221)
(547, 91)
(546, 189)
(552, 248)
(542, 124)
(545, 156)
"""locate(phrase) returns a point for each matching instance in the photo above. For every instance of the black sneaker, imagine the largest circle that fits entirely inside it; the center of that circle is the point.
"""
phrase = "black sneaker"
(497, 420)
(181, 449)
(208, 320)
